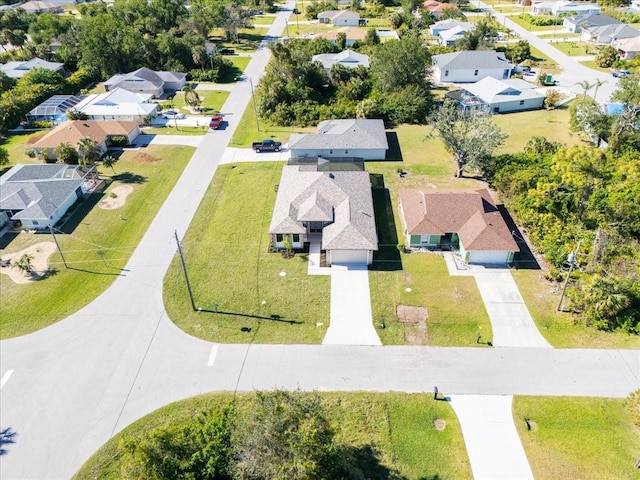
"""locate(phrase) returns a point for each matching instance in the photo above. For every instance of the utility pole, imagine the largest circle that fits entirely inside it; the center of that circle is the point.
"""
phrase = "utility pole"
(184, 269)
(253, 98)
(58, 245)
(572, 263)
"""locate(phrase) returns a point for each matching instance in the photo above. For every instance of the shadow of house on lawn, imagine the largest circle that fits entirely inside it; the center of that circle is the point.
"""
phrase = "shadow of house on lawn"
(524, 259)
(387, 257)
(79, 211)
(394, 153)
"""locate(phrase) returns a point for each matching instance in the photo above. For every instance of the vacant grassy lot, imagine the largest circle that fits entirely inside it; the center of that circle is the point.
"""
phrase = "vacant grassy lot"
(562, 329)
(212, 101)
(397, 428)
(96, 242)
(585, 438)
(226, 250)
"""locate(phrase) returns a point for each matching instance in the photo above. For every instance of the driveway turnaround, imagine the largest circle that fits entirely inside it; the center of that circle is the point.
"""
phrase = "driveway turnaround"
(351, 322)
(511, 321)
(492, 441)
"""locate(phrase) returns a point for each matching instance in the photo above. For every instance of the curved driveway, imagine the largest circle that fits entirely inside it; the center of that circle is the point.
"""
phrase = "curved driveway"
(68, 388)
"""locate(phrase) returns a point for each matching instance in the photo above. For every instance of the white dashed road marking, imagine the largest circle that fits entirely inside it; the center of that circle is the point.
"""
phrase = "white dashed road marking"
(5, 377)
(212, 355)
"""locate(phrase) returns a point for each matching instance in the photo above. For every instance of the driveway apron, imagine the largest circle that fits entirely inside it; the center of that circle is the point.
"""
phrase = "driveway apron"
(351, 322)
(493, 445)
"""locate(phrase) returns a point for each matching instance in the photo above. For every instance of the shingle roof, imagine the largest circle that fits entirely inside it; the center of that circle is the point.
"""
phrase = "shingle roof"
(471, 59)
(73, 131)
(18, 69)
(345, 134)
(348, 58)
(38, 190)
(117, 102)
(144, 78)
(492, 90)
(471, 214)
(593, 19)
(339, 14)
(342, 196)
(352, 33)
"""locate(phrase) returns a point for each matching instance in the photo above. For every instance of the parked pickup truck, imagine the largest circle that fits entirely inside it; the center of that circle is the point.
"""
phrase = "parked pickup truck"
(215, 122)
(266, 146)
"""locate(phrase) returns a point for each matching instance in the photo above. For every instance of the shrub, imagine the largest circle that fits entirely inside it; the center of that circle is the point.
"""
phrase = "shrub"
(39, 124)
(541, 21)
(119, 140)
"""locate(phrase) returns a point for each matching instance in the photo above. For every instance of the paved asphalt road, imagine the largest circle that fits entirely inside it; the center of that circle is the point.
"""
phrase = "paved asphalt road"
(68, 388)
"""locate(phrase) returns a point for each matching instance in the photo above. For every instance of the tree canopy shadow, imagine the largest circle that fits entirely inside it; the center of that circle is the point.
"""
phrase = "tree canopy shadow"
(387, 257)
(361, 462)
(128, 177)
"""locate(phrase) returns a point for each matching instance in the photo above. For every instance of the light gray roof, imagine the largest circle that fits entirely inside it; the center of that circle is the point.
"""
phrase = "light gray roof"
(615, 32)
(471, 59)
(348, 58)
(339, 14)
(593, 19)
(144, 79)
(492, 90)
(18, 69)
(344, 197)
(38, 190)
(347, 134)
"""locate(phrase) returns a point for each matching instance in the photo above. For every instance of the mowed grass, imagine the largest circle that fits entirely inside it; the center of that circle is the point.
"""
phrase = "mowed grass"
(17, 145)
(563, 329)
(578, 438)
(226, 251)
(397, 428)
(211, 102)
(97, 243)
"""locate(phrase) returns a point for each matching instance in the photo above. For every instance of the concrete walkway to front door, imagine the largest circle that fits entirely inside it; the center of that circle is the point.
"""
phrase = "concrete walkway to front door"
(351, 322)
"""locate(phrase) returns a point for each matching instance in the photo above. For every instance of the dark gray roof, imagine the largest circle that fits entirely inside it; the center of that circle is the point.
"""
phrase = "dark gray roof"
(471, 59)
(346, 134)
(144, 79)
(38, 190)
(344, 197)
(595, 19)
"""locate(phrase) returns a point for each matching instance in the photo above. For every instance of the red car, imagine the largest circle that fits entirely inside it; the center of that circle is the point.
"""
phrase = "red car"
(215, 122)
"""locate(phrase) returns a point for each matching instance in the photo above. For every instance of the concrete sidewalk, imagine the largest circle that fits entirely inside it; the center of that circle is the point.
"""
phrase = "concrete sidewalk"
(493, 445)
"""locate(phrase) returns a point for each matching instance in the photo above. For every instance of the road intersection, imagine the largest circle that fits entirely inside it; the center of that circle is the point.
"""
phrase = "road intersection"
(68, 388)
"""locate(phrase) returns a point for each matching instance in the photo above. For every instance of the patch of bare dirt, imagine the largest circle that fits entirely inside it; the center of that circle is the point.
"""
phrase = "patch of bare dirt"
(142, 157)
(40, 253)
(414, 319)
(410, 314)
(116, 197)
(439, 424)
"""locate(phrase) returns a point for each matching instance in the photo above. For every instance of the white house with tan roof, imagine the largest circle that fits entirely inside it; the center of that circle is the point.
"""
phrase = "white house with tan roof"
(337, 204)
(72, 132)
(340, 18)
(467, 220)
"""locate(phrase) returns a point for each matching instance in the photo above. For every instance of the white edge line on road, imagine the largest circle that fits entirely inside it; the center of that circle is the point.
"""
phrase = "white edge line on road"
(212, 355)
(5, 377)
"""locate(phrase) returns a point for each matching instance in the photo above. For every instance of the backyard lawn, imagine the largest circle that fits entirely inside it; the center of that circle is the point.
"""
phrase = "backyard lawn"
(95, 242)
(261, 296)
(579, 438)
(394, 431)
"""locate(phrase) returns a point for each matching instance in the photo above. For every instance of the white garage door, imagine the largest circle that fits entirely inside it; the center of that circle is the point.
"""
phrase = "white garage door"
(348, 256)
(488, 256)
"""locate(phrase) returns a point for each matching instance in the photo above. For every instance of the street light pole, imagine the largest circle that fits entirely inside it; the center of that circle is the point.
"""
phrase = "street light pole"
(572, 263)
(253, 98)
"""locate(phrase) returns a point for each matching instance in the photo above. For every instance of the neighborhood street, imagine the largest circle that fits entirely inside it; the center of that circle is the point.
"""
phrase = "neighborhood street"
(68, 388)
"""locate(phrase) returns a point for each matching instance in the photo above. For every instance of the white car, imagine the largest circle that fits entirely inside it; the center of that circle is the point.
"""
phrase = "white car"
(172, 114)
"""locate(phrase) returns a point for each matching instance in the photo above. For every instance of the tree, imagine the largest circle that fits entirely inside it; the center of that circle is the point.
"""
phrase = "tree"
(341, 40)
(76, 115)
(606, 56)
(587, 116)
(110, 162)
(518, 52)
(586, 86)
(234, 19)
(88, 151)
(597, 83)
(471, 136)
(66, 154)
(191, 97)
(553, 98)
(626, 124)
(286, 437)
(371, 37)
(4, 156)
(24, 263)
(398, 63)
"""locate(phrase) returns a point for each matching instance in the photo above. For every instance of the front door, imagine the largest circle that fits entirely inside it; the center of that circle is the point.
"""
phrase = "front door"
(315, 227)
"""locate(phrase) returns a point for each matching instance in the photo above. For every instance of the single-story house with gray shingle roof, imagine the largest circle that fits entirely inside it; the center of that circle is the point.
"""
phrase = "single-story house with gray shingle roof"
(39, 195)
(340, 18)
(469, 66)
(608, 34)
(448, 38)
(347, 58)
(36, 6)
(145, 80)
(18, 69)
(437, 28)
(336, 204)
(577, 23)
(499, 96)
(361, 138)
(464, 220)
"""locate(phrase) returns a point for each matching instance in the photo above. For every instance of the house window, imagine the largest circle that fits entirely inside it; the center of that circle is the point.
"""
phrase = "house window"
(475, 73)
(346, 152)
(296, 238)
(279, 238)
(330, 152)
(521, 102)
(446, 73)
(35, 222)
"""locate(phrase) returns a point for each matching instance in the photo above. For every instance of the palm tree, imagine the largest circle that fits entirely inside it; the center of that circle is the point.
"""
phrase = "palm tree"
(109, 162)
(191, 97)
(88, 150)
(24, 263)
(598, 83)
(586, 86)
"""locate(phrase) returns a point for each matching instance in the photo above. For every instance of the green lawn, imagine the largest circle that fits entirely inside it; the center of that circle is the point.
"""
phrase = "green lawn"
(301, 29)
(398, 429)
(563, 330)
(18, 143)
(263, 19)
(170, 129)
(578, 438)
(574, 49)
(226, 249)
(211, 102)
(97, 243)
(565, 35)
(533, 28)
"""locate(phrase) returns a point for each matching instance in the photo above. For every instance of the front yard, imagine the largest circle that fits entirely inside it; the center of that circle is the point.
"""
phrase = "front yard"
(96, 242)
